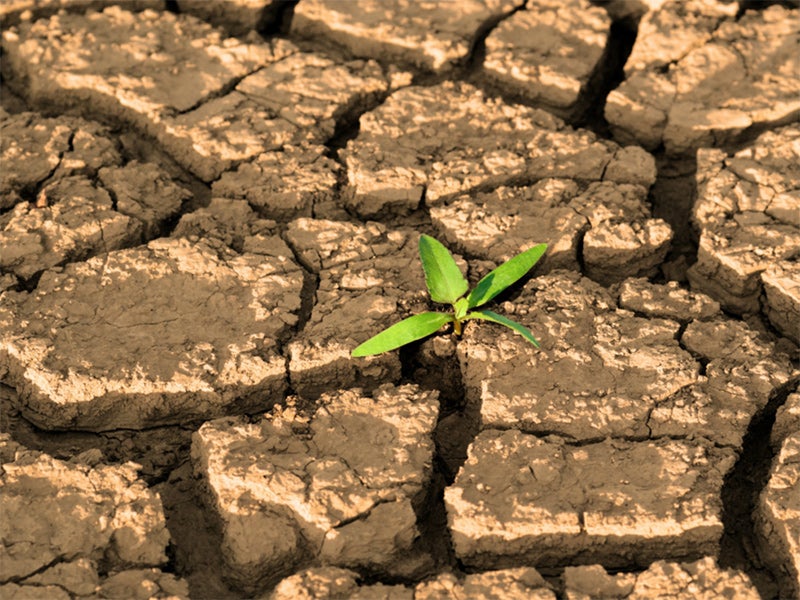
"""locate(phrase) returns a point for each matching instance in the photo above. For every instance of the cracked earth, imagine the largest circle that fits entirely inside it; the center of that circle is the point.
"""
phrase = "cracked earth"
(205, 205)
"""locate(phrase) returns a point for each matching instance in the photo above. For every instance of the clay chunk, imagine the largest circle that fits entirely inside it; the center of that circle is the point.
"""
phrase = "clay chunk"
(136, 67)
(73, 514)
(777, 517)
(520, 499)
(699, 580)
(781, 301)
(34, 149)
(582, 225)
(698, 76)
(162, 333)
(443, 141)
(431, 36)
(546, 53)
(339, 487)
(747, 214)
(668, 301)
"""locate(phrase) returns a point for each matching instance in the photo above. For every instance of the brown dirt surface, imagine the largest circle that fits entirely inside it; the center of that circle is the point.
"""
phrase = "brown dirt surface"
(206, 205)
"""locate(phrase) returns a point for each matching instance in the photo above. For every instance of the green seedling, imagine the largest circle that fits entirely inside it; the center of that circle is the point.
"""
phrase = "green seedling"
(447, 285)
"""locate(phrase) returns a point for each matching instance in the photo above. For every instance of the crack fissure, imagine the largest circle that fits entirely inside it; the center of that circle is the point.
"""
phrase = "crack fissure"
(672, 198)
(276, 18)
(477, 50)
(742, 487)
(225, 89)
(21, 578)
(589, 108)
(308, 291)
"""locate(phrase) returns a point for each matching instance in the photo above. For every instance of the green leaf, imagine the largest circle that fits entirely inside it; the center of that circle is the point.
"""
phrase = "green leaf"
(442, 275)
(461, 308)
(402, 333)
(504, 275)
(487, 315)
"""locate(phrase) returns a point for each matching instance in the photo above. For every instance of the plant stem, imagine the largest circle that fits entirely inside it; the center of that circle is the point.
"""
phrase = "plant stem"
(457, 327)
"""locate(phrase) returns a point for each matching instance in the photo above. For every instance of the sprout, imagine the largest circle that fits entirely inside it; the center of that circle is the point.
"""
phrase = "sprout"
(447, 285)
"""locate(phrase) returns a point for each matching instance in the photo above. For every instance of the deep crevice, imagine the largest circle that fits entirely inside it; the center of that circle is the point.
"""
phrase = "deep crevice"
(29, 284)
(344, 131)
(432, 364)
(435, 536)
(336, 209)
(348, 116)
(741, 489)
(194, 551)
(589, 108)
(579, 256)
(477, 51)
(672, 198)
(308, 298)
(11, 102)
(276, 18)
(157, 449)
(114, 204)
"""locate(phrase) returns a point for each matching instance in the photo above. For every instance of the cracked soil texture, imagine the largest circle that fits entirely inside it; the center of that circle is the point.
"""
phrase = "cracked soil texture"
(206, 205)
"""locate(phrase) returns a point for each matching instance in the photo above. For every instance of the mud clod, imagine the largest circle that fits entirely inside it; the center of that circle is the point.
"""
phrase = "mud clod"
(167, 362)
(320, 495)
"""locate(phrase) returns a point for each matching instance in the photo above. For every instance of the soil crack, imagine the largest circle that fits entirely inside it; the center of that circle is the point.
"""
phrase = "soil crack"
(743, 485)
(477, 51)
(276, 18)
(607, 74)
(672, 198)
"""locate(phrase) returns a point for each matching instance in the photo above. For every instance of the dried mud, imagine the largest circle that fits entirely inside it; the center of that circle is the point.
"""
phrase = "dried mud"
(206, 205)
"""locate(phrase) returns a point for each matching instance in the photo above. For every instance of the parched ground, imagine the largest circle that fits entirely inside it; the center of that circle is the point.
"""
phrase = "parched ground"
(205, 205)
